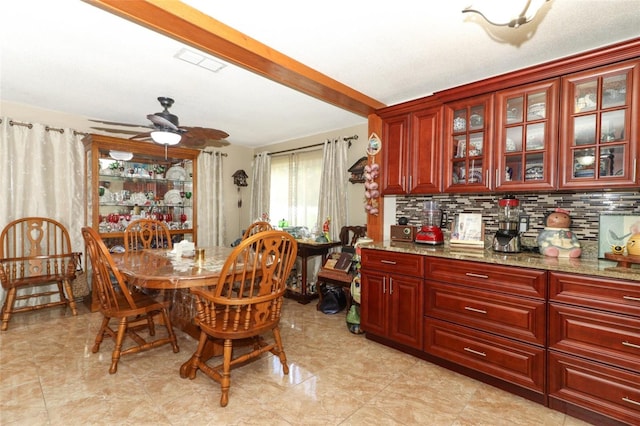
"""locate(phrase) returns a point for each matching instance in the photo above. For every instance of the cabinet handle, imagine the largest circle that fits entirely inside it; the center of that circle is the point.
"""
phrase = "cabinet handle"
(384, 285)
(388, 262)
(480, 311)
(631, 345)
(635, 162)
(635, 299)
(471, 274)
(410, 183)
(475, 352)
(631, 401)
(390, 285)
(486, 177)
(497, 176)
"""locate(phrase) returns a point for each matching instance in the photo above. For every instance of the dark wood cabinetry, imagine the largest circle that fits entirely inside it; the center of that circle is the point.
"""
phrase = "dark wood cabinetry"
(468, 144)
(594, 345)
(526, 137)
(392, 292)
(411, 151)
(488, 318)
(599, 131)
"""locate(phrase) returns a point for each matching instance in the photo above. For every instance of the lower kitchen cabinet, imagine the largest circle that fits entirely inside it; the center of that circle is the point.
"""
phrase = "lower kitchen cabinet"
(392, 287)
(594, 346)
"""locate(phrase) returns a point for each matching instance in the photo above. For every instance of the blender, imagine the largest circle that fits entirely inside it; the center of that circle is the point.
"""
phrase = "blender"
(507, 238)
(430, 232)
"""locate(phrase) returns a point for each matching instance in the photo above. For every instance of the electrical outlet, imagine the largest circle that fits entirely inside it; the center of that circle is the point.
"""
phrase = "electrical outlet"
(524, 224)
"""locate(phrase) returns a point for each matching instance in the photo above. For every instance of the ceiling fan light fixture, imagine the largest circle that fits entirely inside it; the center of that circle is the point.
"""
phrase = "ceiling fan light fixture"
(120, 155)
(166, 137)
(507, 13)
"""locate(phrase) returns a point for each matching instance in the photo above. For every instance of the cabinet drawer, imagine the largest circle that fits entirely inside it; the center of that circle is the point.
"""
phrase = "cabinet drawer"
(511, 316)
(596, 292)
(393, 262)
(509, 279)
(606, 390)
(602, 336)
(506, 359)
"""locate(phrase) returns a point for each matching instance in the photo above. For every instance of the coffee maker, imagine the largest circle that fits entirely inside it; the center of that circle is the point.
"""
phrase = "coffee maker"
(507, 238)
(430, 232)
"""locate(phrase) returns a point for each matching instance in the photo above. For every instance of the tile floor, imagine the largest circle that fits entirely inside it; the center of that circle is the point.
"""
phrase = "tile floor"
(50, 377)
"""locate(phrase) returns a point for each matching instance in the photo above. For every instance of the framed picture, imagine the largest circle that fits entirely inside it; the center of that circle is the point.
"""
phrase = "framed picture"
(615, 230)
(468, 230)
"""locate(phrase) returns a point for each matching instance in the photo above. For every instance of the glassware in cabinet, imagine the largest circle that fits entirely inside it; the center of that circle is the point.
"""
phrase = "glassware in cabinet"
(526, 126)
(467, 148)
(597, 143)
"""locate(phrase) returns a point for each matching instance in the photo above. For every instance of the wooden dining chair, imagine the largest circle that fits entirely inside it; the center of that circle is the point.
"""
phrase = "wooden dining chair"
(260, 265)
(36, 252)
(256, 227)
(131, 310)
(147, 234)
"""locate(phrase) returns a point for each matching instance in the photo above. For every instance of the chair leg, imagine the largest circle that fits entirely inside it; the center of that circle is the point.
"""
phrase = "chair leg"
(70, 301)
(172, 335)
(197, 356)
(280, 348)
(100, 335)
(225, 379)
(7, 308)
(115, 355)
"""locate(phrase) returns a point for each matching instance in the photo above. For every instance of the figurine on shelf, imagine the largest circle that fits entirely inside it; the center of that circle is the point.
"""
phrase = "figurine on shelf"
(556, 240)
(325, 229)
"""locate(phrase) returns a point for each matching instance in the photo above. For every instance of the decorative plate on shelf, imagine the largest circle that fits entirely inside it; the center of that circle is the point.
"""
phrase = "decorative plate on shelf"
(475, 176)
(176, 173)
(172, 197)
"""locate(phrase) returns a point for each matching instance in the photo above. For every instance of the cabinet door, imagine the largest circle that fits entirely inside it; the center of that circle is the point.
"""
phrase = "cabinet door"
(526, 135)
(599, 136)
(395, 133)
(468, 128)
(373, 311)
(424, 151)
(405, 296)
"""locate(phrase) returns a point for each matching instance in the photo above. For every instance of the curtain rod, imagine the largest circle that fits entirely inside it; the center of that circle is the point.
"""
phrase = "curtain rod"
(348, 139)
(47, 128)
(224, 154)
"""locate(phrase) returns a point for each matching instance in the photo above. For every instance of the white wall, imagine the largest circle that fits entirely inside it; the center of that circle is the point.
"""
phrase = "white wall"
(237, 158)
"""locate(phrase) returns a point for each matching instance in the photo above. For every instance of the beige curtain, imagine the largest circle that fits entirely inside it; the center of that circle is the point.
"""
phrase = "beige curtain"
(211, 224)
(260, 186)
(333, 190)
(42, 174)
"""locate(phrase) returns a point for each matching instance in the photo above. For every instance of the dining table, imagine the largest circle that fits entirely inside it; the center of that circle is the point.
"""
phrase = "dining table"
(163, 271)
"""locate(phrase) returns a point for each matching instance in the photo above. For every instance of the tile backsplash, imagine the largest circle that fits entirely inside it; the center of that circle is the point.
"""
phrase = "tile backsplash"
(585, 209)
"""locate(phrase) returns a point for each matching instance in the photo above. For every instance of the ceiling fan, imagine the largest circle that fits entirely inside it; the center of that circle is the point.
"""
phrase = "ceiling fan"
(166, 122)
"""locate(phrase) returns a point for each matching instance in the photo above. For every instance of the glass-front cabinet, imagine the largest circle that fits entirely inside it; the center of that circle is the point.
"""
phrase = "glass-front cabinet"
(128, 180)
(599, 132)
(526, 137)
(468, 145)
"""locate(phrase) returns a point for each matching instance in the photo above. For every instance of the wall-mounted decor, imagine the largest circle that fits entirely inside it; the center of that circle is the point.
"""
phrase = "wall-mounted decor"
(357, 170)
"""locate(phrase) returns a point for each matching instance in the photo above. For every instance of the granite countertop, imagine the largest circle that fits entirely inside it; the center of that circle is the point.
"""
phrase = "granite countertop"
(586, 265)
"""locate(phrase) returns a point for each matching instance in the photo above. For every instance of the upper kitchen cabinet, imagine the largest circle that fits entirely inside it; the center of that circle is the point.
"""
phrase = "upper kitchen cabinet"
(411, 151)
(599, 130)
(526, 137)
(468, 138)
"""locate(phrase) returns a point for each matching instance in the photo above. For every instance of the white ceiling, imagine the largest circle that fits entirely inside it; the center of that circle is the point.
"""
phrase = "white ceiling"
(71, 57)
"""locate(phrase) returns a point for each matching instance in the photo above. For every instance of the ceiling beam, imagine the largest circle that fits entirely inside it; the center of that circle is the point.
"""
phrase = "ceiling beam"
(192, 27)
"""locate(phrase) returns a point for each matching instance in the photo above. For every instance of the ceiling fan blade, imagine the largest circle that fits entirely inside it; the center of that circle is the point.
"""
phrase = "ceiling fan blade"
(145, 135)
(162, 122)
(205, 133)
(204, 143)
(115, 123)
(120, 131)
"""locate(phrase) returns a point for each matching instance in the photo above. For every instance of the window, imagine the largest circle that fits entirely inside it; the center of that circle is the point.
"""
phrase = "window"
(295, 185)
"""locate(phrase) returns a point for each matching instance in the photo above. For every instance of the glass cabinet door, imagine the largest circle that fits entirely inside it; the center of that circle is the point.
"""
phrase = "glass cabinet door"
(526, 123)
(468, 145)
(596, 145)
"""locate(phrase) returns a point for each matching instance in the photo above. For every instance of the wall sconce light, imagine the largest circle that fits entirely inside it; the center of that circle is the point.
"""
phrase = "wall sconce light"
(507, 13)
